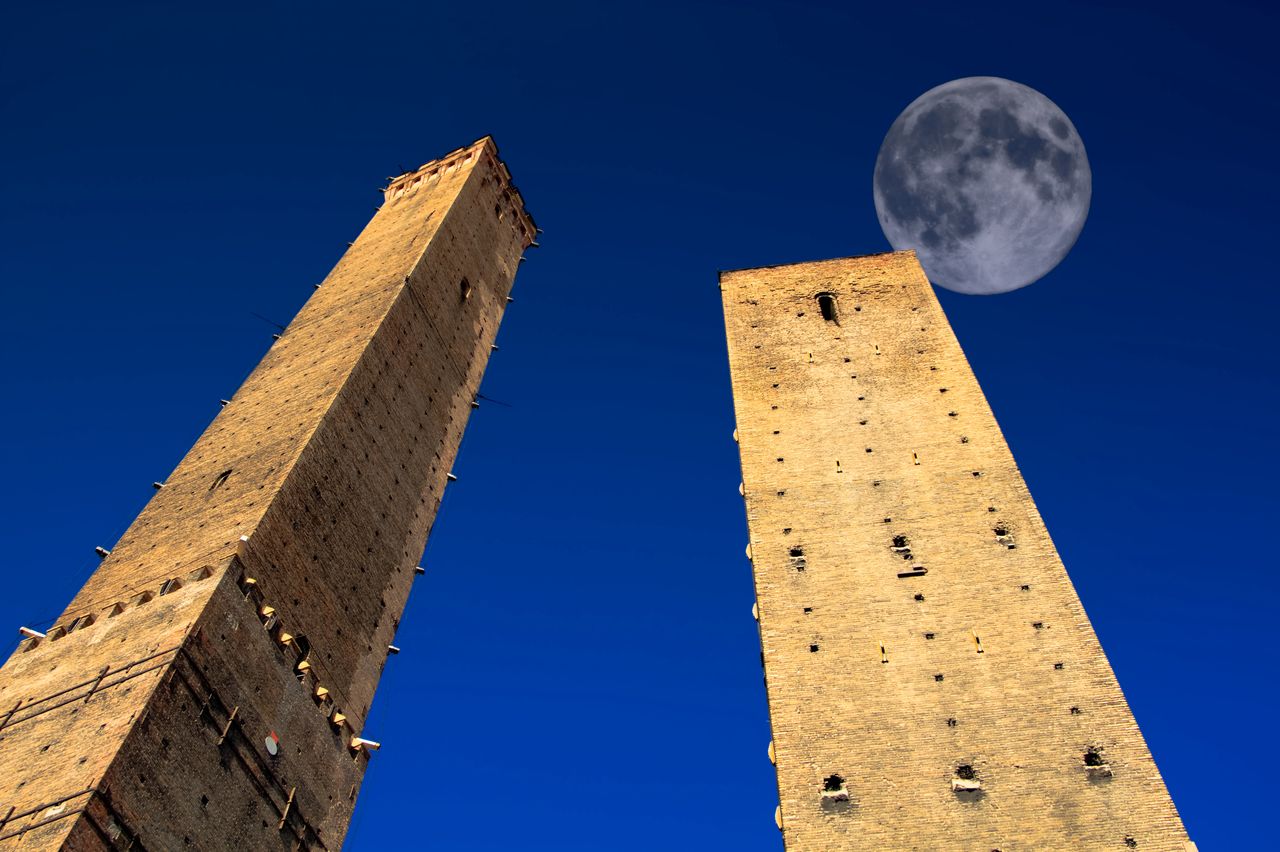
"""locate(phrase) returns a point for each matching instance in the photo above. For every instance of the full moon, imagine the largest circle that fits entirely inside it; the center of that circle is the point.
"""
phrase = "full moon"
(987, 180)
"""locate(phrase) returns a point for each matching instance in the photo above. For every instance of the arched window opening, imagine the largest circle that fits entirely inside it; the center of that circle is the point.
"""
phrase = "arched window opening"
(827, 305)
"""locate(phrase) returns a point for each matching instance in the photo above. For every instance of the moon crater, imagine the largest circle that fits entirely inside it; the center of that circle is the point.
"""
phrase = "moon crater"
(987, 180)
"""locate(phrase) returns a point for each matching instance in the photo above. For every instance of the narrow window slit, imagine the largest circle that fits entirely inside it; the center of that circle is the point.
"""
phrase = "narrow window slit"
(827, 305)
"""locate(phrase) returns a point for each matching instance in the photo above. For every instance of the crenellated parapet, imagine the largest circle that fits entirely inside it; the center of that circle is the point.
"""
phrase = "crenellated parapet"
(509, 204)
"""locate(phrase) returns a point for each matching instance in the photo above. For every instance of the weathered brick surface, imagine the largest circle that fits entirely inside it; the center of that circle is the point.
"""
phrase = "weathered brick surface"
(292, 527)
(854, 432)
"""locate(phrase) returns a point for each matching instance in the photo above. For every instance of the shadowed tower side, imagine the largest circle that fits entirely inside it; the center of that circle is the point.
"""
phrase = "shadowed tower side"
(207, 688)
(933, 681)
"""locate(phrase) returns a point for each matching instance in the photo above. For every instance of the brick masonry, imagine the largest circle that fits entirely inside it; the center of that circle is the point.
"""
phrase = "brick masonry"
(248, 609)
(933, 681)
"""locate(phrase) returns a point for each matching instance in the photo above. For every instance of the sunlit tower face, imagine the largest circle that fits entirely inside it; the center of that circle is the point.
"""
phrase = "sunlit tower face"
(211, 681)
(931, 673)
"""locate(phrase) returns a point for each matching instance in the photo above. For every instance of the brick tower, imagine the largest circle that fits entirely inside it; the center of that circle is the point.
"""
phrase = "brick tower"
(207, 688)
(933, 681)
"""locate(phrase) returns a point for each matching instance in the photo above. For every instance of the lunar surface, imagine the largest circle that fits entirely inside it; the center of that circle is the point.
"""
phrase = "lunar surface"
(987, 180)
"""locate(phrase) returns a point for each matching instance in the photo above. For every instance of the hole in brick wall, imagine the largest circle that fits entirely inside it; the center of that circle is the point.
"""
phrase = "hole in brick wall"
(1130, 842)
(786, 530)
(1093, 757)
(813, 649)
(965, 772)
(929, 635)
(1058, 667)
(938, 678)
(952, 414)
(833, 787)
(899, 540)
(204, 800)
(951, 723)
(1038, 625)
(1026, 588)
(1001, 531)
(919, 597)
(797, 558)
(1075, 711)
(868, 449)
(888, 520)
(808, 609)
(827, 305)
(220, 479)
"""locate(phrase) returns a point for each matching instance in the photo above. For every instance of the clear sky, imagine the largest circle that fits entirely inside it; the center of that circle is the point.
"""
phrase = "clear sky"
(580, 668)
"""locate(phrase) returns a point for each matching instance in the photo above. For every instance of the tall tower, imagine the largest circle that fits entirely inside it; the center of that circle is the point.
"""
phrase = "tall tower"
(207, 689)
(933, 681)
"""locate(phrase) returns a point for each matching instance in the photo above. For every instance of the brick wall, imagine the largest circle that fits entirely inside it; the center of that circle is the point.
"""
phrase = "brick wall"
(933, 681)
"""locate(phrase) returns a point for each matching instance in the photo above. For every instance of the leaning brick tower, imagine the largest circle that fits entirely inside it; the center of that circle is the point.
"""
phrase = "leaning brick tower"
(933, 681)
(207, 688)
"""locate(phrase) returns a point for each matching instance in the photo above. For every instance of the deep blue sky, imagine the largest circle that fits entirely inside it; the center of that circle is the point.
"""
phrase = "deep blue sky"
(580, 668)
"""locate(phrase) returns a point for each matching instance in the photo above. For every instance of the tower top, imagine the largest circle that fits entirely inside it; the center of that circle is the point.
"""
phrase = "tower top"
(483, 148)
(869, 258)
